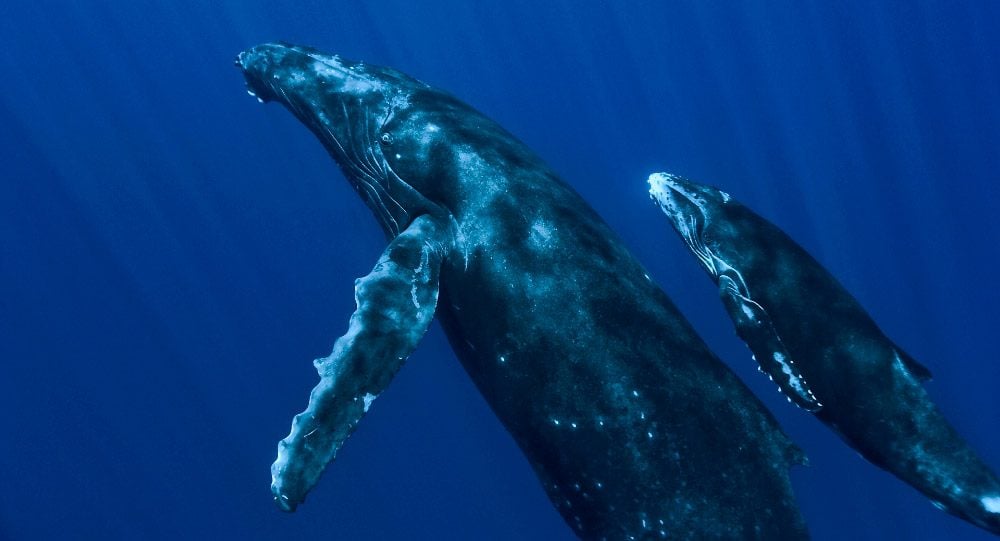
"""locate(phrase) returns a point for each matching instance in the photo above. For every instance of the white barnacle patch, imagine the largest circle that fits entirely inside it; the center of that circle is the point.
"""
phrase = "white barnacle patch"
(399, 101)
(354, 83)
(329, 68)
(991, 504)
(540, 235)
(358, 85)
(466, 158)
(368, 398)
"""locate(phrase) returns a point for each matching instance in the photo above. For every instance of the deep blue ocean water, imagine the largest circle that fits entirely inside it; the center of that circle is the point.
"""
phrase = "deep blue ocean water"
(173, 254)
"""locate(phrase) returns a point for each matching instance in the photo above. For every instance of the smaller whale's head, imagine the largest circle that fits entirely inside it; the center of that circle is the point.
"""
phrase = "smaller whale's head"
(356, 110)
(699, 214)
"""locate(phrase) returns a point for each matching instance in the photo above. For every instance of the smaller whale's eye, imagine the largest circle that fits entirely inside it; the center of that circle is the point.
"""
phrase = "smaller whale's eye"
(385, 139)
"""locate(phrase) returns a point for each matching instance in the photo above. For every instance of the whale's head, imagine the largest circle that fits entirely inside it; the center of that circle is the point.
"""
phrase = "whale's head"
(699, 214)
(362, 113)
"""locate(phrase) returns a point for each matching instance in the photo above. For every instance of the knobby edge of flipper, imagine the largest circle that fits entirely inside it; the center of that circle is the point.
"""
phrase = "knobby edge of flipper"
(396, 303)
(755, 328)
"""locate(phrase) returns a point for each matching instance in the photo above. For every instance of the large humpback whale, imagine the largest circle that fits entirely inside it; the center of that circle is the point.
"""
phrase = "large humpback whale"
(634, 428)
(825, 352)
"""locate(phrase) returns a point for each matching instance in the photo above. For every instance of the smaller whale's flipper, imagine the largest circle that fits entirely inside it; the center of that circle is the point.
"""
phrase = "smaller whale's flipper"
(395, 306)
(753, 325)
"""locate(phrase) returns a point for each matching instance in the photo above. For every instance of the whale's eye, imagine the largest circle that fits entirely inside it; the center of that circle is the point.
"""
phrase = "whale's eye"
(385, 139)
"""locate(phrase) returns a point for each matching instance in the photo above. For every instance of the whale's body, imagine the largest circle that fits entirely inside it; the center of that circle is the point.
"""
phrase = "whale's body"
(633, 426)
(825, 352)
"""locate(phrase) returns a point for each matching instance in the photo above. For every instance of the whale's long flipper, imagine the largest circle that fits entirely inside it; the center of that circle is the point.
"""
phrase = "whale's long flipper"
(396, 304)
(754, 326)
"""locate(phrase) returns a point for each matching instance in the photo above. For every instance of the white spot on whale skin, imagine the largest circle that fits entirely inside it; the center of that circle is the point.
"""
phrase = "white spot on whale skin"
(369, 398)
(541, 234)
(991, 503)
(334, 71)
(428, 133)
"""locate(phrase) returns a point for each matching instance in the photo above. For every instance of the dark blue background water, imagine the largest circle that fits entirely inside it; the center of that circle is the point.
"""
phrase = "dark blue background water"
(174, 254)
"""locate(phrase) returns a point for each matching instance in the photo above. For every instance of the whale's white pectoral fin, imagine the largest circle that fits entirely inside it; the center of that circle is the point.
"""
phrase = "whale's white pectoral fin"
(396, 304)
(754, 326)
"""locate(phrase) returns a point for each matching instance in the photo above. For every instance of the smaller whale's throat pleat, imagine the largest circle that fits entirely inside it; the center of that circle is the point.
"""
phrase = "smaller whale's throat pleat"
(692, 235)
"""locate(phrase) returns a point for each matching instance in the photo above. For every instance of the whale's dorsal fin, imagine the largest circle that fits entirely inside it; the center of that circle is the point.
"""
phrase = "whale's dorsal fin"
(754, 326)
(918, 370)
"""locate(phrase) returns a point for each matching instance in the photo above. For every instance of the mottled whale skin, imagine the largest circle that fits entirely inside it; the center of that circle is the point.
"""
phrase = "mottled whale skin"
(635, 429)
(825, 352)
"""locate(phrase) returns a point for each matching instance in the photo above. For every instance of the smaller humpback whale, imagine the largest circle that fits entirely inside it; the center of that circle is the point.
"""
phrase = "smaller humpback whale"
(825, 352)
(635, 429)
